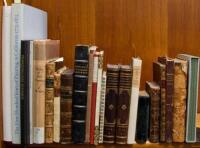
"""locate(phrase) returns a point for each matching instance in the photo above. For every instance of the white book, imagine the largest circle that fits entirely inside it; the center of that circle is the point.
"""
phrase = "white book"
(27, 23)
(137, 66)
(6, 83)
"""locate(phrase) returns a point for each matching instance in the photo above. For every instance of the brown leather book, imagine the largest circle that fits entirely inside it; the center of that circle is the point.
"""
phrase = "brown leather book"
(123, 103)
(111, 103)
(153, 90)
(159, 77)
(179, 101)
(43, 51)
(66, 106)
(169, 86)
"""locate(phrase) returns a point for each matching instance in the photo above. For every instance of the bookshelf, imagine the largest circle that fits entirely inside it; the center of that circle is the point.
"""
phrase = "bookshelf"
(123, 28)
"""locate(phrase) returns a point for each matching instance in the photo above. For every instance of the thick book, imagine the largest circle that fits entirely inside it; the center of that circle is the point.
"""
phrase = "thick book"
(159, 77)
(6, 74)
(44, 51)
(169, 87)
(92, 50)
(102, 107)
(80, 87)
(136, 75)
(23, 27)
(142, 130)
(66, 106)
(179, 100)
(192, 96)
(111, 103)
(153, 89)
(123, 102)
(93, 98)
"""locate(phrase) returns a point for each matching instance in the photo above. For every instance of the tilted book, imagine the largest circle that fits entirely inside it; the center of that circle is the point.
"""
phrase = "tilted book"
(153, 89)
(23, 27)
(44, 51)
(192, 95)
(136, 75)
(123, 102)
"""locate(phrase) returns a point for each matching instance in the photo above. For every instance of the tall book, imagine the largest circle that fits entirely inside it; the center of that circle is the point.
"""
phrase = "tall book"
(80, 87)
(92, 50)
(6, 73)
(44, 51)
(192, 96)
(169, 86)
(56, 121)
(111, 103)
(102, 107)
(136, 75)
(142, 130)
(23, 27)
(66, 106)
(198, 113)
(123, 102)
(179, 101)
(159, 77)
(153, 89)
(51, 68)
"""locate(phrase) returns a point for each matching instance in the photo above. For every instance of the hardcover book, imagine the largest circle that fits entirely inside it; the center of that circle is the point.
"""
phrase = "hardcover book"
(153, 89)
(111, 103)
(123, 102)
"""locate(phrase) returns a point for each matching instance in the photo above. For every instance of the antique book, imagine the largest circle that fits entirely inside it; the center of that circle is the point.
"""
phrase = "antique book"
(66, 106)
(23, 27)
(198, 113)
(192, 95)
(51, 68)
(93, 97)
(169, 87)
(179, 100)
(80, 93)
(98, 96)
(102, 107)
(142, 130)
(56, 121)
(92, 50)
(6, 74)
(43, 51)
(111, 103)
(123, 102)
(136, 75)
(153, 89)
(159, 77)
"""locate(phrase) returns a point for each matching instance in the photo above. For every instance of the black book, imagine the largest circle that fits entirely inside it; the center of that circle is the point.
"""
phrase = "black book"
(25, 92)
(142, 126)
(79, 100)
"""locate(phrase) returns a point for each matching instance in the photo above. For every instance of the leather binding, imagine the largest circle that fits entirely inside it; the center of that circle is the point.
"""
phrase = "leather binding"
(111, 103)
(179, 101)
(123, 102)
(92, 50)
(198, 112)
(169, 76)
(153, 90)
(66, 106)
(80, 90)
(142, 129)
(159, 77)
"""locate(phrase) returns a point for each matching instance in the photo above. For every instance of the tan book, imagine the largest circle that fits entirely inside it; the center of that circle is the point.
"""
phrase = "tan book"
(43, 52)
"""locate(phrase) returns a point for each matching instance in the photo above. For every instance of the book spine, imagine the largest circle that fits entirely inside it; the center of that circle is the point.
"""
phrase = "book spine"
(15, 72)
(93, 101)
(111, 105)
(179, 102)
(123, 105)
(102, 107)
(6, 73)
(49, 102)
(66, 107)
(137, 66)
